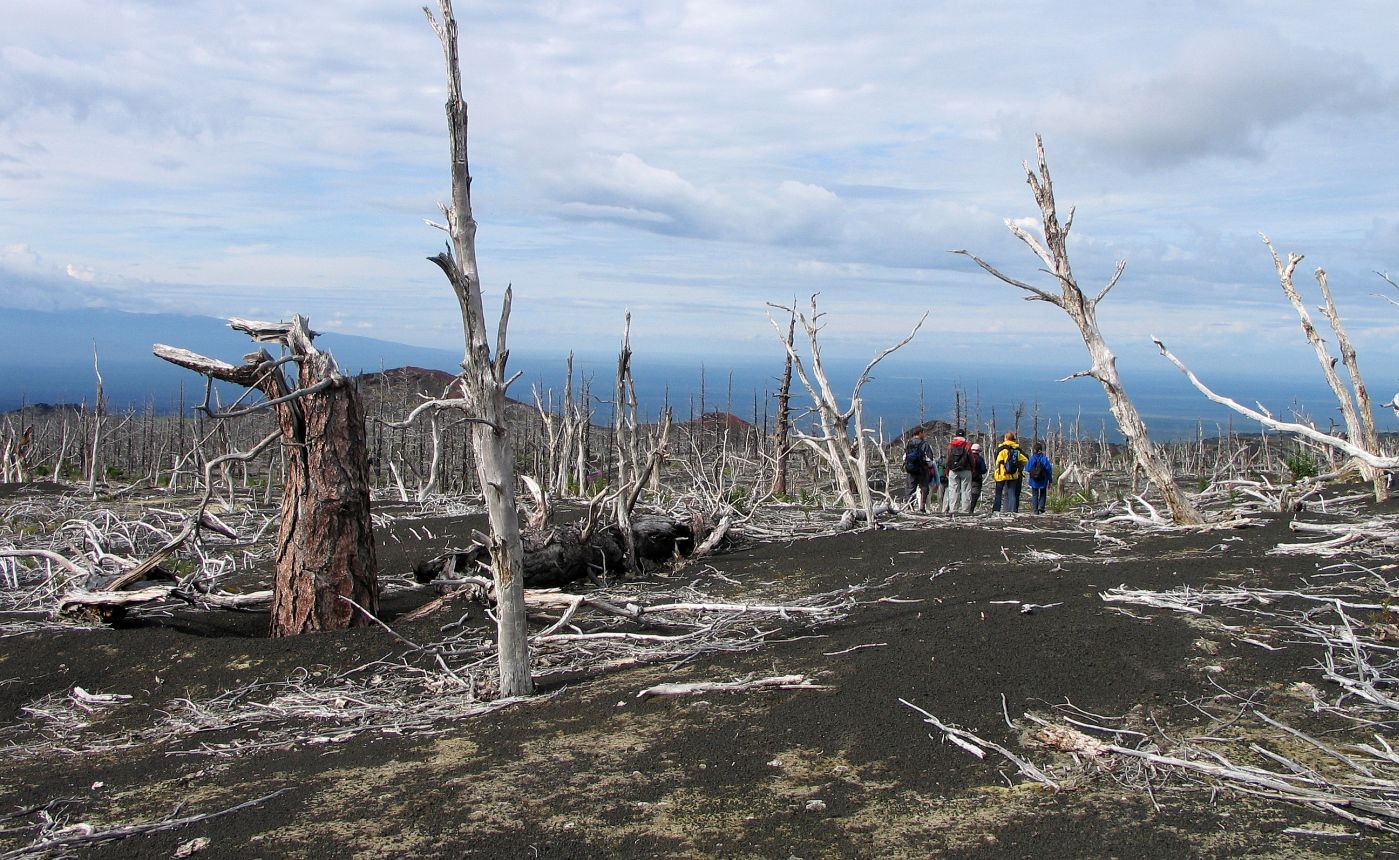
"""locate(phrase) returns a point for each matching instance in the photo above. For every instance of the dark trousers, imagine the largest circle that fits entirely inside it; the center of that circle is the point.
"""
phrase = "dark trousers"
(1007, 494)
(917, 487)
(1039, 496)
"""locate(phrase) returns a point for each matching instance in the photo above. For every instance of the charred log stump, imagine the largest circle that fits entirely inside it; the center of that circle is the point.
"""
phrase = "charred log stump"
(560, 556)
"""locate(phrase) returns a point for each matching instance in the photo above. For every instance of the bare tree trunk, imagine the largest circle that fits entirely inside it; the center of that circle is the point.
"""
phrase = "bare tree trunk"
(99, 411)
(484, 385)
(781, 446)
(434, 463)
(1083, 311)
(624, 442)
(1358, 413)
(325, 543)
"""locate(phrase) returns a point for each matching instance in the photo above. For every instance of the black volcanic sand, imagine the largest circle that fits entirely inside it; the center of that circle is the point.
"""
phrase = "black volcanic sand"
(847, 772)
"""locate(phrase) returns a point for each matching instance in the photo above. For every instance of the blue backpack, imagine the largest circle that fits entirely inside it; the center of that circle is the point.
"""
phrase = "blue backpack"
(915, 456)
(1012, 463)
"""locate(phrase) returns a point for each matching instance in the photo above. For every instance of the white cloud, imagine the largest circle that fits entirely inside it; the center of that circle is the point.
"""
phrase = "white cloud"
(1223, 94)
(625, 189)
(693, 160)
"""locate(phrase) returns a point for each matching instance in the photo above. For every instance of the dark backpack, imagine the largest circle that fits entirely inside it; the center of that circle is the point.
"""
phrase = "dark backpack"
(959, 458)
(915, 456)
(1039, 471)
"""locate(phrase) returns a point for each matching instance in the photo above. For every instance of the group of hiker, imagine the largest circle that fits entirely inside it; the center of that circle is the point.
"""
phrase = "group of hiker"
(957, 476)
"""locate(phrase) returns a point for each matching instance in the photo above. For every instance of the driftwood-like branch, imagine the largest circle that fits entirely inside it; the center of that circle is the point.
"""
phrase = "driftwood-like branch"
(701, 688)
(441, 403)
(978, 746)
(200, 517)
(1036, 294)
(64, 840)
(1367, 457)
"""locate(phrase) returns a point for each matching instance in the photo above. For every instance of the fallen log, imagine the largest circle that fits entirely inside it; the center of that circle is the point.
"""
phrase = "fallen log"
(700, 688)
(110, 607)
(563, 555)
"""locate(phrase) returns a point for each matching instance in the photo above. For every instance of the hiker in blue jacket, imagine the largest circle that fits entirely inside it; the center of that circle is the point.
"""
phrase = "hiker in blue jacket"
(1039, 474)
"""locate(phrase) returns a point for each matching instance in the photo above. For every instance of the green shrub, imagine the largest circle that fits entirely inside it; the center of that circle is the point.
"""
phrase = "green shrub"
(1059, 503)
(1301, 465)
(737, 498)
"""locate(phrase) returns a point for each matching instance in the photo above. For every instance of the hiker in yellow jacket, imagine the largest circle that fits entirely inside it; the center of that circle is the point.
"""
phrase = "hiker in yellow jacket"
(1007, 474)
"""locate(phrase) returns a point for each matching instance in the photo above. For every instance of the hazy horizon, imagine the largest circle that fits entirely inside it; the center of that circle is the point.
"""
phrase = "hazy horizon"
(45, 367)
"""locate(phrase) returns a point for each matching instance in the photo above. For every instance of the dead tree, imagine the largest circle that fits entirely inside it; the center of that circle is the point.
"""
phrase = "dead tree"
(842, 443)
(14, 445)
(634, 467)
(325, 544)
(563, 461)
(1084, 312)
(484, 384)
(1357, 412)
(1373, 459)
(99, 414)
(782, 446)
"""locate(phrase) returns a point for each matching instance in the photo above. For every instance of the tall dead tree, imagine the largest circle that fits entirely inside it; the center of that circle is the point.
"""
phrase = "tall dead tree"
(1070, 299)
(635, 467)
(842, 443)
(781, 444)
(484, 384)
(1357, 412)
(99, 413)
(325, 544)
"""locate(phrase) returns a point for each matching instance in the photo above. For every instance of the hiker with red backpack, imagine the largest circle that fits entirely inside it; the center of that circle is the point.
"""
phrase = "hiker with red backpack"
(958, 465)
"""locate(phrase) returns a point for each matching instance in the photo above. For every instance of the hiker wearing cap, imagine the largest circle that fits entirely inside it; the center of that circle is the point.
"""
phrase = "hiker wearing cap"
(978, 477)
(958, 465)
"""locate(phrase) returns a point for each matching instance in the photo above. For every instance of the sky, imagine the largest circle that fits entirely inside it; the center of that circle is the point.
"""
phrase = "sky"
(692, 162)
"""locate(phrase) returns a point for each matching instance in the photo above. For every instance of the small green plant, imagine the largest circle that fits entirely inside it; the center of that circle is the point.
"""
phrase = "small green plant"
(1301, 465)
(737, 498)
(1060, 503)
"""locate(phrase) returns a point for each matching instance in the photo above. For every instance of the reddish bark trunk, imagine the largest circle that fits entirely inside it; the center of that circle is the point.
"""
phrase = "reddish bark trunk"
(325, 547)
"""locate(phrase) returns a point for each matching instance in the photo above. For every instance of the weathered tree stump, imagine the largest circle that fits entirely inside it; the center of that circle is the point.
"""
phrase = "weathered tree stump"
(325, 544)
